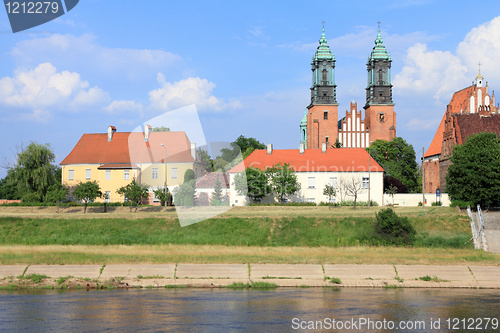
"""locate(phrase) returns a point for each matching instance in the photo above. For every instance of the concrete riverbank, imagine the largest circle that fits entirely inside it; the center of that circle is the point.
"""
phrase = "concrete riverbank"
(222, 275)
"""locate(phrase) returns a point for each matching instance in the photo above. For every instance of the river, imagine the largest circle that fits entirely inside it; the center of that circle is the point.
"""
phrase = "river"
(226, 310)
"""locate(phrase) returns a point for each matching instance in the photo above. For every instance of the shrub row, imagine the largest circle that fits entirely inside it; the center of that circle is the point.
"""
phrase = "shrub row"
(338, 204)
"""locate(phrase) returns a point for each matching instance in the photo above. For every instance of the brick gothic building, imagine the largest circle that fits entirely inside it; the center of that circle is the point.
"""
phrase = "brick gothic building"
(471, 110)
(320, 124)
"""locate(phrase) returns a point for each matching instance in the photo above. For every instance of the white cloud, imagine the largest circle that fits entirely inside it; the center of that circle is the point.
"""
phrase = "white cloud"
(419, 124)
(117, 107)
(83, 52)
(442, 72)
(43, 89)
(193, 90)
(436, 72)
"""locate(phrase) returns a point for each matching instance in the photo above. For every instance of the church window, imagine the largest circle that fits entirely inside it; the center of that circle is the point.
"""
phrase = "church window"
(325, 72)
(381, 117)
(325, 115)
(380, 76)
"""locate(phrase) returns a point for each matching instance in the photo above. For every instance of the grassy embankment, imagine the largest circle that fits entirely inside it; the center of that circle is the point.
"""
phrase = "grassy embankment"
(241, 235)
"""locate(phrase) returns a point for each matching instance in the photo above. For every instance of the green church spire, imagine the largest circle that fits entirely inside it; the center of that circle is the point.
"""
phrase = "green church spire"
(323, 51)
(379, 52)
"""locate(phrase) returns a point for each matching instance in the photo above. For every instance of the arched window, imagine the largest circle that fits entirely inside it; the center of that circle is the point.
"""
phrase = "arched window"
(325, 75)
(380, 76)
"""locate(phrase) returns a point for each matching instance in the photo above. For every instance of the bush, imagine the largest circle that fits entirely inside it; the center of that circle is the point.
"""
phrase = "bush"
(460, 203)
(283, 204)
(437, 203)
(393, 229)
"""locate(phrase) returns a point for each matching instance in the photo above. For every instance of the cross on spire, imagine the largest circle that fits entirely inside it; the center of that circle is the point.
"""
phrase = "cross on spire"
(323, 25)
(378, 25)
(479, 66)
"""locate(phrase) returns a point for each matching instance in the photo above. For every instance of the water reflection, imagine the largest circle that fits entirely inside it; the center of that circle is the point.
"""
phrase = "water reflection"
(223, 310)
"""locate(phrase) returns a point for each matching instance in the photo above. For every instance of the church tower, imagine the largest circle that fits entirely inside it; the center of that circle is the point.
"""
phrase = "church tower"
(380, 118)
(322, 113)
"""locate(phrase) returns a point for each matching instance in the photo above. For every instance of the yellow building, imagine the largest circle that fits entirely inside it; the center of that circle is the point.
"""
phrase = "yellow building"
(113, 159)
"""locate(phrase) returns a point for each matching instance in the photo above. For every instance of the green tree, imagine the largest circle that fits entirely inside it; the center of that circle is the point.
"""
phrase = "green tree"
(392, 190)
(184, 193)
(217, 198)
(8, 187)
(161, 129)
(252, 182)
(205, 157)
(88, 192)
(164, 195)
(337, 144)
(56, 193)
(282, 180)
(330, 191)
(34, 171)
(135, 193)
(397, 157)
(475, 173)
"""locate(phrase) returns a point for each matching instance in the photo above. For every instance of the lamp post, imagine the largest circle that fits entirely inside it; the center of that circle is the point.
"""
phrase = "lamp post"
(165, 174)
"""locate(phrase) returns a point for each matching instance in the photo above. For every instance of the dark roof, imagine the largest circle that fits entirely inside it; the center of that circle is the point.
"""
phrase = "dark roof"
(208, 181)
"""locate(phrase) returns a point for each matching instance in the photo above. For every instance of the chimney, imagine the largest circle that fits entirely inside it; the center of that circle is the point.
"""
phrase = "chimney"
(147, 132)
(269, 148)
(111, 131)
(301, 148)
(193, 151)
(323, 147)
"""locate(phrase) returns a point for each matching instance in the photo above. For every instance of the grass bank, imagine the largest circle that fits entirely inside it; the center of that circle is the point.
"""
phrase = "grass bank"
(156, 254)
(434, 230)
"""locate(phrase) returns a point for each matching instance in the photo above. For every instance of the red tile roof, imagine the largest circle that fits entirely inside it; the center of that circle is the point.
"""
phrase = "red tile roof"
(130, 147)
(437, 142)
(208, 181)
(118, 166)
(312, 160)
(459, 103)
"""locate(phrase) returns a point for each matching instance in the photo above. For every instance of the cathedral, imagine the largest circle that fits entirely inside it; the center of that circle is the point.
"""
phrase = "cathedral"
(321, 127)
(471, 110)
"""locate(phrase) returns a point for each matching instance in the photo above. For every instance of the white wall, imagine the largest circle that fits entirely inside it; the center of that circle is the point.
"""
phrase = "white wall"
(412, 199)
(315, 194)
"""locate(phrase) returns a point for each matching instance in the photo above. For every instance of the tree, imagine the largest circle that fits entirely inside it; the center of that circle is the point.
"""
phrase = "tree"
(252, 182)
(164, 195)
(217, 197)
(391, 191)
(244, 143)
(184, 193)
(135, 193)
(397, 157)
(475, 173)
(56, 193)
(161, 129)
(8, 187)
(330, 191)
(205, 157)
(282, 180)
(33, 171)
(337, 144)
(353, 187)
(88, 192)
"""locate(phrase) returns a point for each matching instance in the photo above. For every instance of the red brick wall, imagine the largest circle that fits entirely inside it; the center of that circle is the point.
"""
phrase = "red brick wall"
(380, 130)
(318, 128)
(431, 172)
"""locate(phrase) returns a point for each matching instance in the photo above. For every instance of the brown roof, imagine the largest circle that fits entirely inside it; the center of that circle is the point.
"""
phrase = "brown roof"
(208, 181)
(340, 159)
(130, 147)
(468, 124)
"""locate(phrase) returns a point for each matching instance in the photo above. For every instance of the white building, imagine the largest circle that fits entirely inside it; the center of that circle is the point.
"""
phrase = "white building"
(315, 168)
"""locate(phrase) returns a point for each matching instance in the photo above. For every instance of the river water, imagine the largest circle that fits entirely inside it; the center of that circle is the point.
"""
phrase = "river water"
(225, 310)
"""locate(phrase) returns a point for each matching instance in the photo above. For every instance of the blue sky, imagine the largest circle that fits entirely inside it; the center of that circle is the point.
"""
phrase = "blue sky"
(245, 65)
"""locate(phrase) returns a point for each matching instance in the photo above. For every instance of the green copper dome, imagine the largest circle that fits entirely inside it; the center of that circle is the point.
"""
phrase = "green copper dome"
(323, 51)
(379, 52)
(304, 119)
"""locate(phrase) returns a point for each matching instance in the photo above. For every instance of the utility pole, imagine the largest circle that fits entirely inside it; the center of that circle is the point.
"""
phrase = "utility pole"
(423, 181)
(165, 174)
(369, 178)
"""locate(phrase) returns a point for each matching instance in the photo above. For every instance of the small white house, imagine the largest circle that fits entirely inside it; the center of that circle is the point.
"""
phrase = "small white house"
(315, 168)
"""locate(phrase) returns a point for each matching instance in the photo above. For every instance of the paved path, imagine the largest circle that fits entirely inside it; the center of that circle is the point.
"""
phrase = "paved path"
(215, 275)
(492, 231)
